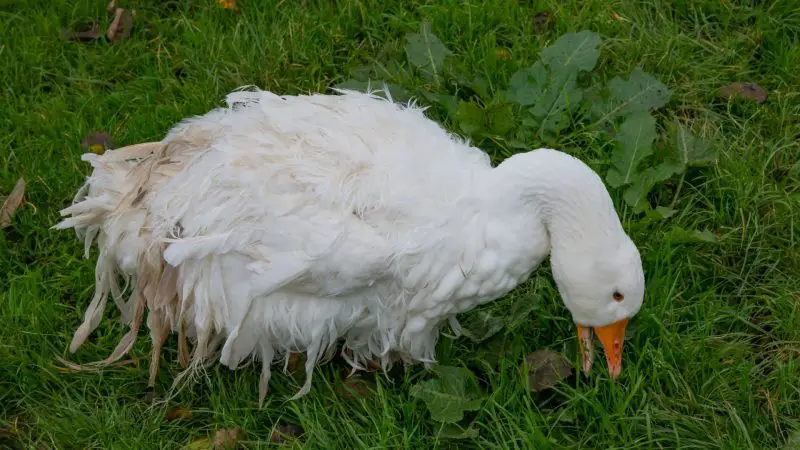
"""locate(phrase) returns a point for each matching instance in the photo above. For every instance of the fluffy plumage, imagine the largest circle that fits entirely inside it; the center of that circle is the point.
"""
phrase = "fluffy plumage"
(282, 224)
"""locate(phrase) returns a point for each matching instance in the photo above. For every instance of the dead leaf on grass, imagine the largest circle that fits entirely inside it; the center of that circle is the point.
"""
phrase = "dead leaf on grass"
(11, 203)
(97, 142)
(121, 26)
(228, 438)
(355, 386)
(178, 412)
(285, 433)
(502, 53)
(747, 90)
(295, 359)
(84, 32)
(545, 369)
(541, 21)
(228, 4)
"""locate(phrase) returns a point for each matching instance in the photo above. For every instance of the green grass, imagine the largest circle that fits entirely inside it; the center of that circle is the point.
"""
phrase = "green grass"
(712, 360)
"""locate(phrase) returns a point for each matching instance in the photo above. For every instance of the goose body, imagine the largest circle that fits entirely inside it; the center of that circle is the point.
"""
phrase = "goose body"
(283, 224)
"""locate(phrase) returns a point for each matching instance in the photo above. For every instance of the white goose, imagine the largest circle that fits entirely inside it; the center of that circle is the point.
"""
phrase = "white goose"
(283, 223)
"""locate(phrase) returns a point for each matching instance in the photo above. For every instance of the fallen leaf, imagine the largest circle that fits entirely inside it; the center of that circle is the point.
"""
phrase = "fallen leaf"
(121, 26)
(545, 369)
(541, 21)
(295, 359)
(111, 7)
(84, 32)
(227, 438)
(356, 387)
(454, 391)
(502, 53)
(228, 4)
(285, 433)
(178, 412)
(12, 202)
(747, 90)
(97, 142)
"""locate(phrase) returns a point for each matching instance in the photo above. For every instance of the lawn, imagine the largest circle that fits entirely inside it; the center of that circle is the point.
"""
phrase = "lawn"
(711, 361)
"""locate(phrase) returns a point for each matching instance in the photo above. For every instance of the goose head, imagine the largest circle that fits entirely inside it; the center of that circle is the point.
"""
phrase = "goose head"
(596, 266)
(602, 287)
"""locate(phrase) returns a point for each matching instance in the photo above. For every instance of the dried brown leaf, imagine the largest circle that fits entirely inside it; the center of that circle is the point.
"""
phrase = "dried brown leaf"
(12, 202)
(97, 142)
(295, 360)
(228, 438)
(121, 26)
(747, 90)
(285, 432)
(545, 369)
(502, 53)
(228, 4)
(541, 21)
(178, 412)
(356, 387)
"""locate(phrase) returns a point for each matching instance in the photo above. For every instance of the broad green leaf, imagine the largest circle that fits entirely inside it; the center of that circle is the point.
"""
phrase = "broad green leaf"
(561, 96)
(478, 84)
(660, 213)
(640, 93)
(575, 50)
(448, 102)
(492, 351)
(454, 391)
(481, 325)
(526, 85)
(680, 235)
(634, 142)
(377, 87)
(501, 118)
(426, 51)
(522, 308)
(692, 151)
(454, 431)
(470, 117)
(646, 179)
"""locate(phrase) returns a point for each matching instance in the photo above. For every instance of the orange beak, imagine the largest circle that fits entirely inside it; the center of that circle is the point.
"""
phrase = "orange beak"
(612, 337)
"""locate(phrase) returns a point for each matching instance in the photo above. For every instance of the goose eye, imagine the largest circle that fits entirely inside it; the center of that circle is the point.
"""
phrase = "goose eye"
(618, 297)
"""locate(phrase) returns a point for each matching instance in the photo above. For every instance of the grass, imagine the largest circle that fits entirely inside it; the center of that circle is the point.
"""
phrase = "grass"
(712, 360)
